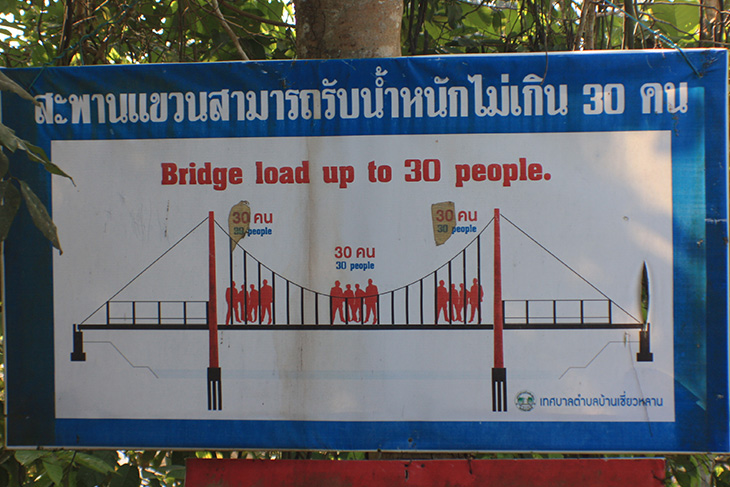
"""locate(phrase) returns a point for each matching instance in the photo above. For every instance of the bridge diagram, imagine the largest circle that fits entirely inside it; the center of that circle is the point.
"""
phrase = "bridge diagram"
(451, 297)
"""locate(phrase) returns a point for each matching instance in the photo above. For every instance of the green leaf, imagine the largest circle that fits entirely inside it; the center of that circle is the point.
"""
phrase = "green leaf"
(71, 478)
(93, 462)
(90, 478)
(497, 21)
(9, 85)
(9, 204)
(26, 457)
(40, 215)
(174, 471)
(13, 142)
(723, 479)
(677, 20)
(109, 456)
(54, 471)
(127, 476)
(178, 458)
(4, 164)
(8, 138)
(6, 477)
(34, 153)
(44, 480)
(454, 14)
(37, 154)
(644, 294)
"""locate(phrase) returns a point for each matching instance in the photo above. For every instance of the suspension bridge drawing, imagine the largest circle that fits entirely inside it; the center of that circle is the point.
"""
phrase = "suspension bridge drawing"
(451, 297)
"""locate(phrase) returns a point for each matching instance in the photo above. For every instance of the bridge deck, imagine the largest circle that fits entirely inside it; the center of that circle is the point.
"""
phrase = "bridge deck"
(359, 326)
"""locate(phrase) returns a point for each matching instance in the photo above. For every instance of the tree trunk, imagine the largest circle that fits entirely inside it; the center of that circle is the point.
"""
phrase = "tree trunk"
(348, 28)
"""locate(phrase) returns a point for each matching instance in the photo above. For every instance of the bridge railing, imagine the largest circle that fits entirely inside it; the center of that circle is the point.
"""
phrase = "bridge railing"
(156, 313)
(557, 311)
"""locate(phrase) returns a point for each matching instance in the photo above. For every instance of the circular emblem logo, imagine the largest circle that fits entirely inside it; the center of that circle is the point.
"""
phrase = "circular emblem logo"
(525, 401)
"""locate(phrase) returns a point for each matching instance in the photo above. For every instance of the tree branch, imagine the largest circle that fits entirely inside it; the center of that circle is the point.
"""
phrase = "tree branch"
(232, 35)
(251, 16)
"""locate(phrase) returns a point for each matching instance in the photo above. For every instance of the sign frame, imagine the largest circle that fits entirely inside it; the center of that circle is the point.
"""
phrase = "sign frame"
(699, 232)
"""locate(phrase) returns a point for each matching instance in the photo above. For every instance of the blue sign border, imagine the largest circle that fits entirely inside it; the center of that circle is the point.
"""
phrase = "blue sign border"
(699, 154)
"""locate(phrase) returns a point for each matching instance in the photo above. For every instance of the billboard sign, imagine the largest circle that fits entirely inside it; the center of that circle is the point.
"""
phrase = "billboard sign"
(518, 252)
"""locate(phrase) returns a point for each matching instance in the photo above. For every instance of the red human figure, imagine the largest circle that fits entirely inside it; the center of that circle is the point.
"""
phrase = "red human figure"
(267, 298)
(253, 303)
(337, 302)
(463, 300)
(232, 302)
(371, 301)
(359, 293)
(442, 301)
(349, 295)
(242, 302)
(476, 295)
(456, 304)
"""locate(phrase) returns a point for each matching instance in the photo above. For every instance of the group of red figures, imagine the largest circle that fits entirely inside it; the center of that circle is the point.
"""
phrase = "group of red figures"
(352, 305)
(349, 303)
(252, 304)
(456, 297)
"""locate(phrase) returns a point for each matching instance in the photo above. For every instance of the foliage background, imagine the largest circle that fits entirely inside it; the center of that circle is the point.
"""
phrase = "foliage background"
(77, 32)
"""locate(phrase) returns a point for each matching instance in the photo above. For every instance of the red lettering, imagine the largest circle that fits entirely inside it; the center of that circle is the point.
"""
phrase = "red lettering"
(338, 174)
(282, 175)
(510, 174)
(286, 175)
(507, 173)
(271, 175)
(534, 172)
(205, 174)
(235, 175)
(259, 177)
(462, 174)
(302, 173)
(169, 173)
(371, 172)
(479, 172)
(494, 172)
(219, 178)
(347, 175)
(523, 172)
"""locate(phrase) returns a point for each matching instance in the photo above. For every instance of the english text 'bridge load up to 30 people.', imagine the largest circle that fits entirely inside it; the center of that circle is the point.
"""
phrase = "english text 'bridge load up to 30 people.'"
(254, 307)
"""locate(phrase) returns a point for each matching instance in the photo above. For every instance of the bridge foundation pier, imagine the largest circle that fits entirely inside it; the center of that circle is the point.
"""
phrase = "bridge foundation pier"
(645, 354)
(78, 354)
(215, 392)
(499, 389)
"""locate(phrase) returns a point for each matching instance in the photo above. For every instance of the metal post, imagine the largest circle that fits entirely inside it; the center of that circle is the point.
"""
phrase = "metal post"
(215, 395)
(407, 320)
(499, 372)
(435, 299)
(465, 297)
(479, 279)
